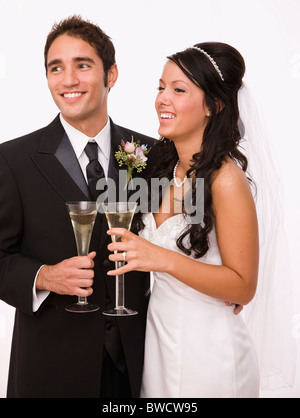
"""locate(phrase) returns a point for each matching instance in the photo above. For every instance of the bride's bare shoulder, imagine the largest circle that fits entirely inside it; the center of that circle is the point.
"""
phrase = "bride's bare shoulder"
(230, 175)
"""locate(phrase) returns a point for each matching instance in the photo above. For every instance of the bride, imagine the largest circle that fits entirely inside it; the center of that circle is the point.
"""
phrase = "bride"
(195, 345)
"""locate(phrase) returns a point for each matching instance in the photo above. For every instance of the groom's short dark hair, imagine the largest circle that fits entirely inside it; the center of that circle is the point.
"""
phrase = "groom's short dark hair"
(87, 31)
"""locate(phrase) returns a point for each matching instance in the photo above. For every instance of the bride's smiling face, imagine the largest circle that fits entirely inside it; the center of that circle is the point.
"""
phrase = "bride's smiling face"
(180, 105)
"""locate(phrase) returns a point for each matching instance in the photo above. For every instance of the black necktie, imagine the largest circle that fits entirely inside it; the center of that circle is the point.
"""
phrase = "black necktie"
(94, 169)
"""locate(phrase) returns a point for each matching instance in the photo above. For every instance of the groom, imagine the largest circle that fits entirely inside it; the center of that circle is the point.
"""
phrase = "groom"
(56, 353)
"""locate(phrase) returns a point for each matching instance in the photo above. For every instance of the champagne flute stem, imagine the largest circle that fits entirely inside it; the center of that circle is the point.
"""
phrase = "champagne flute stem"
(119, 284)
(82, 300)
(82, 251)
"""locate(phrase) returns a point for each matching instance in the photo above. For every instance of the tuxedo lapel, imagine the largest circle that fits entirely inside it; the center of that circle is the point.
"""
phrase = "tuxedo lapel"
(116, 137)
(57, 176)
(58, 163)
(67, 157)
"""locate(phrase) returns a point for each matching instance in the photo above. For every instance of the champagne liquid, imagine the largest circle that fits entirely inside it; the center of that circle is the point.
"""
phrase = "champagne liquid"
(83, 226)
(119, 220)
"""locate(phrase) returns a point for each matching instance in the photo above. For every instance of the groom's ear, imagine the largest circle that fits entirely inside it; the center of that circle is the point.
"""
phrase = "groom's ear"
(112, 76)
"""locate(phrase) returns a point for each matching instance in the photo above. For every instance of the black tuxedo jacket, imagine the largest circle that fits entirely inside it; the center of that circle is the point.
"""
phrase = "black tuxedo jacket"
(56, 353)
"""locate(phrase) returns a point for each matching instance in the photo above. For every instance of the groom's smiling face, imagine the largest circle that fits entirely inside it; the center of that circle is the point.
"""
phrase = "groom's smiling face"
(76, 80)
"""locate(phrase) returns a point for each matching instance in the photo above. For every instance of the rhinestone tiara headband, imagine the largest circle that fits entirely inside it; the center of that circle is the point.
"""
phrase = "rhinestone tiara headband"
(213, 62)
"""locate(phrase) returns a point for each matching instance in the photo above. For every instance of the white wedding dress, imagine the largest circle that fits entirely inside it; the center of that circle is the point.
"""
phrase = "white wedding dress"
(196, 347)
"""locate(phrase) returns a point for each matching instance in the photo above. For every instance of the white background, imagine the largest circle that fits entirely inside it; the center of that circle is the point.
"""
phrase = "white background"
(144, 32)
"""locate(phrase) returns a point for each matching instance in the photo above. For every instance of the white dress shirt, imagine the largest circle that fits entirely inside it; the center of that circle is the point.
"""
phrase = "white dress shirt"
(79, 141)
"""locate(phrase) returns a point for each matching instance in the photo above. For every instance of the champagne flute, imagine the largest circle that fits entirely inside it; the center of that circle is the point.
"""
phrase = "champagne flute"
(119, 215)
(83, 215)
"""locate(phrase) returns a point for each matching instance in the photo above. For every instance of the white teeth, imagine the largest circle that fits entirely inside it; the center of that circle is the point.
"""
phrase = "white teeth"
(70, 95)
(167, 116)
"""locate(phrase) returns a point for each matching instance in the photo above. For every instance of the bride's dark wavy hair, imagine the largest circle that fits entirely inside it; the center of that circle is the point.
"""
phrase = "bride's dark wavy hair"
(221, 136)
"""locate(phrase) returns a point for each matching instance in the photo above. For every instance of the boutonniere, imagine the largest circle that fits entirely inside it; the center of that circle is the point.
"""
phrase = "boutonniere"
(133, 155)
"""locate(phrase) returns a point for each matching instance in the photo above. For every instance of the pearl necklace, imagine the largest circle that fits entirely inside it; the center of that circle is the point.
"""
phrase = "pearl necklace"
(175, 178)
